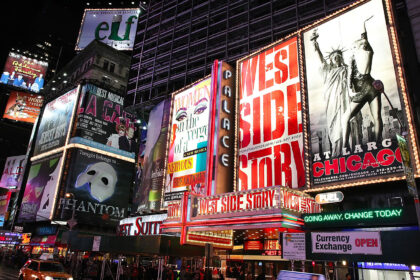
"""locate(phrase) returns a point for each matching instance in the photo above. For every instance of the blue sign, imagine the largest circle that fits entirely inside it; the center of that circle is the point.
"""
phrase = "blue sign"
(387, 266)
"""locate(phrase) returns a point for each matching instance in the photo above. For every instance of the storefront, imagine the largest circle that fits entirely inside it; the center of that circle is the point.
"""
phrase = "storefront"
(242, 228)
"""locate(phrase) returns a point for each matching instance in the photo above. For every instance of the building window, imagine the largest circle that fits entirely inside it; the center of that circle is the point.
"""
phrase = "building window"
(106, 63)
(111, 67)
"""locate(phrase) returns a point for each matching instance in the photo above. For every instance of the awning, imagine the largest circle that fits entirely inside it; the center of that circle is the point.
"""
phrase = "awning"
(163, 245)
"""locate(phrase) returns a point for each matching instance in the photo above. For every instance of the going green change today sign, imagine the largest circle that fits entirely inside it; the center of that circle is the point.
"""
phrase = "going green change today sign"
(360, 217)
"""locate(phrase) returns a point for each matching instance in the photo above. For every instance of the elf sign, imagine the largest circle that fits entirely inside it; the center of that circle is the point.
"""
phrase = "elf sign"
(114, 27)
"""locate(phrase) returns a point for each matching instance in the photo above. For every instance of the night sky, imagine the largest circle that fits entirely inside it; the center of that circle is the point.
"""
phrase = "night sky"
(25, 22)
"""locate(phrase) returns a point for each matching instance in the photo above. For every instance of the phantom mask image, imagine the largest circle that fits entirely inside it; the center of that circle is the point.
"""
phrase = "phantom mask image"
(101, 179)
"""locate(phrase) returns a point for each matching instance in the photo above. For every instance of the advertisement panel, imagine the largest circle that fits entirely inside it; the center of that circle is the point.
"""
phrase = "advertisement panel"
(40, 189)
(24, 72)
(353, 97)
(100, 186)
(149, 189)
(294, 246)
(24, 107)
(4, 203)
(114, 27)
(55, 122)
(142, 225)
(288, 275)
(188, 141)
(270, 122)
(103, 123)
(13, 172)
(354, 242)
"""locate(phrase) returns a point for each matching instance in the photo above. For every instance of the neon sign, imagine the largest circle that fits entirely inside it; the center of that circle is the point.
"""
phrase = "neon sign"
(357, 215)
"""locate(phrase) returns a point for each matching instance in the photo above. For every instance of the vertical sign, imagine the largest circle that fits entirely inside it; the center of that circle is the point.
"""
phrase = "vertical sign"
(294, 246)
(188, 141)
(353, 95)
(271, 138)
(148, 191)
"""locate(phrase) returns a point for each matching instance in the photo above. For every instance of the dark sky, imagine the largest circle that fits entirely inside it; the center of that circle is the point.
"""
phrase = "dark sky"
(25, 22)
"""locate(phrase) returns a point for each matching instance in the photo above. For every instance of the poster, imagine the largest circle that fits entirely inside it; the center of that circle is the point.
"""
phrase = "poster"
(24, 72)
(100, 186)
(294, 246)
(24, 107)
(354, 242)
(114, 27)
(55, 121)
(4, 203)
(103, 123)
(148, 191)
(270, 121)
(13, 172)
(354, 104)
(188, 141)
(40, 189)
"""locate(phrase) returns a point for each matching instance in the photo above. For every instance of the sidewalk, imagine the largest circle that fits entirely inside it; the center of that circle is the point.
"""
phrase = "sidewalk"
(8, 273)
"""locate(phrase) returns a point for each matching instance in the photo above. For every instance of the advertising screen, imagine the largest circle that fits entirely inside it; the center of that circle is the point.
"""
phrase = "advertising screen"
(353, 97)
(13, 172)
(24, 72)
(23, 107)
(149, 188)
(4, 203)
(40, 189)
(102, 122)
(270, 122)
(188, 141)
(114, 27)
(55, 122)
(100, 186)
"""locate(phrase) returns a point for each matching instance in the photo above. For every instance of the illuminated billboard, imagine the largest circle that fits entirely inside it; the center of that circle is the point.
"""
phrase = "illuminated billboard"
(55, 121)
(114, 27)
(13, 172)
(24, 72)
(270, 120)
(190, 114)
(148, 191)
(41, 186)
(103, 123)
(24, 107)
(100, 186)
(354, 102)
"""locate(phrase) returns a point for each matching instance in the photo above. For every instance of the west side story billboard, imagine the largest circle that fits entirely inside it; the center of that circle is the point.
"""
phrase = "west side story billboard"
(188, 141)
(322, 106)
(354, 101)
(103, 123)
(55, 122)
(114, 27)
(270, 122)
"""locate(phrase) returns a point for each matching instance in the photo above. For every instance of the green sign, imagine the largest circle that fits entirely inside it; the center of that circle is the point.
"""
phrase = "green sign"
(358, 215)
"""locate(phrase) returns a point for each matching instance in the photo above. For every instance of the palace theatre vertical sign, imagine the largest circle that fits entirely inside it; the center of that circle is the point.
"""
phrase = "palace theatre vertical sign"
(271, 138)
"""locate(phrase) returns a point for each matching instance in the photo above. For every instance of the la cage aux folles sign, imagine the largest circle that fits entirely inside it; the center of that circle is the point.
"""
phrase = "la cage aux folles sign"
(360, 218)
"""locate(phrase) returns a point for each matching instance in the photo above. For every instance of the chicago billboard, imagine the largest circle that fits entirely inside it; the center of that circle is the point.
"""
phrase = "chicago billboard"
(24, 107)
(270, 120)
(41, 186)
(187, 155)
(148, 191)
(55, 121)
(354, 101)
(100, 186)
(13, 172)
(24, 72)
(103, 123)
(114, 27)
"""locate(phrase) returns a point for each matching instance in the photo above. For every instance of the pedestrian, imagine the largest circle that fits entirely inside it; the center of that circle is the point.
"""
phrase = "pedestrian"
(348, 276)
